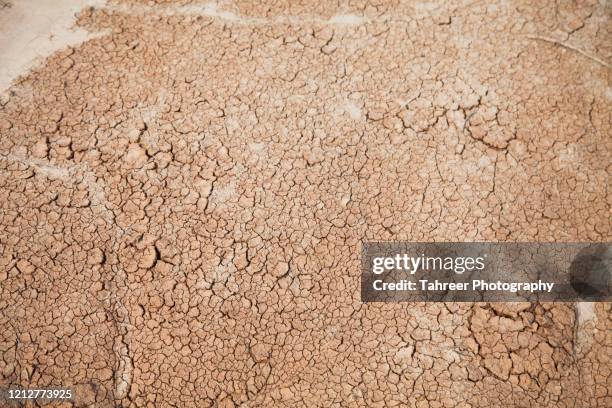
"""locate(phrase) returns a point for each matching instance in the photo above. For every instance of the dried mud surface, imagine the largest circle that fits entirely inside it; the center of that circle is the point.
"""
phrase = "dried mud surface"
(183, 197)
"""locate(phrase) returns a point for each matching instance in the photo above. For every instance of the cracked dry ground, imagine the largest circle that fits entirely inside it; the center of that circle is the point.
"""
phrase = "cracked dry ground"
(183, 199)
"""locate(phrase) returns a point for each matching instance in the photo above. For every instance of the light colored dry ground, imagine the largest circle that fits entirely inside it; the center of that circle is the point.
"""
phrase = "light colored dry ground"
(30, 30)
(183, 197)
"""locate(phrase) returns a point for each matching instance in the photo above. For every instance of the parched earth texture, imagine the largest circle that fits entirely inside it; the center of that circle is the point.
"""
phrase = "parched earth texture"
(183, 198)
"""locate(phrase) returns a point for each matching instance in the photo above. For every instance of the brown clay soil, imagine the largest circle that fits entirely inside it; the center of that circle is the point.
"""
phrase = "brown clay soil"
(184, 189)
